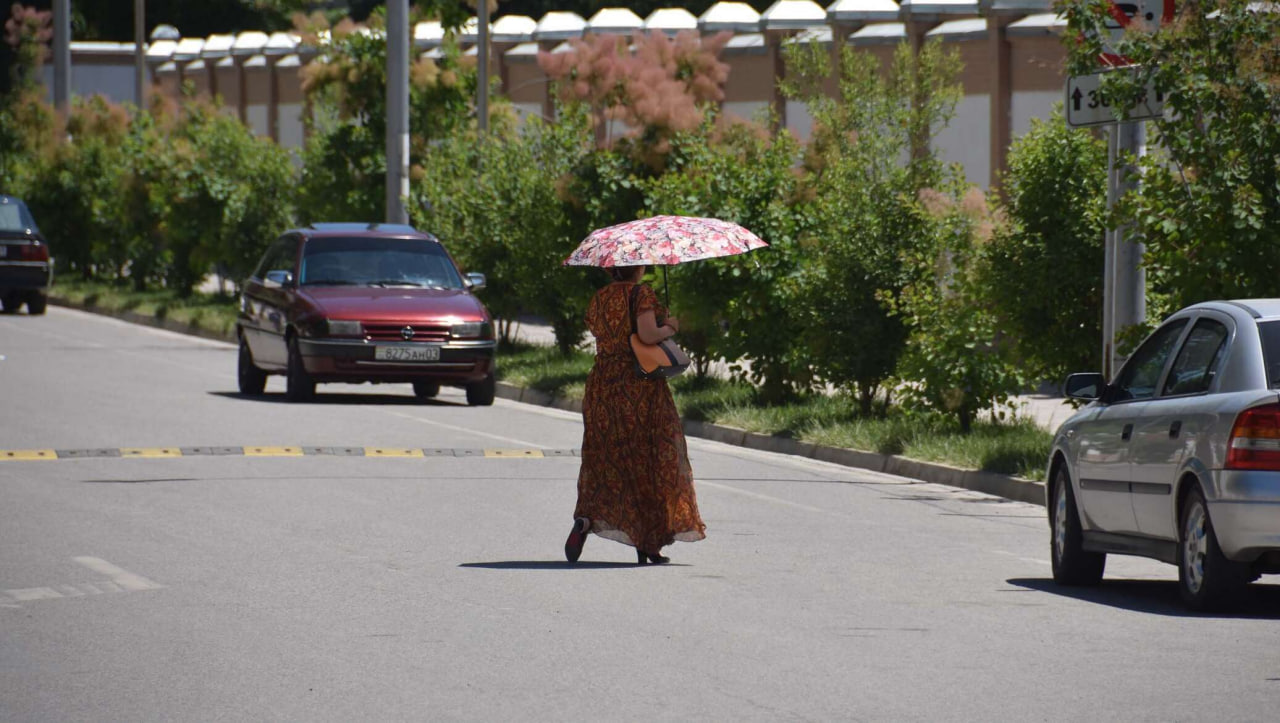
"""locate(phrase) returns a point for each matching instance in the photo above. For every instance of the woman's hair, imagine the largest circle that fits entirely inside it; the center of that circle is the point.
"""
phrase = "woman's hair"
(622, 273)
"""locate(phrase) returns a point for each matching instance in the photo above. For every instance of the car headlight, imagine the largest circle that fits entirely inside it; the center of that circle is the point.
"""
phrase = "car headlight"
(344, 328)
(470, 330)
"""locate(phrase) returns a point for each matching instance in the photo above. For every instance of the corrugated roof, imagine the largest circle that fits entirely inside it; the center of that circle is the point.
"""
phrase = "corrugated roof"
(218, 45)
(939, 7)
(249, 43)
(1039, 24)
(960, 29)
(880, 34)
(161, 50)
(746, 44)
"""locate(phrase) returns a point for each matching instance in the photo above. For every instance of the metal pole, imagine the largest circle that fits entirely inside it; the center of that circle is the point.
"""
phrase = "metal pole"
(482, 97)
(1109, 260)
(1130, 277)
(397, 110)
(62, 55)
(140, 53)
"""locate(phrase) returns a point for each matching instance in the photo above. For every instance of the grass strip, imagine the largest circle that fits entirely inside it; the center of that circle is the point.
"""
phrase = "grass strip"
(215, 313)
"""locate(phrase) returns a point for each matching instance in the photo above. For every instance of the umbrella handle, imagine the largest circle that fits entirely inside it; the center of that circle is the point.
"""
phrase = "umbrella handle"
(666, 290)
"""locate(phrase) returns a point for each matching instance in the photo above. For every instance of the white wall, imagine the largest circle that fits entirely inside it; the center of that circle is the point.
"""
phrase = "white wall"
(114, 82)
(257, 119)
(967, 139)
(1028, 104)
(799, 121)
(291, 134)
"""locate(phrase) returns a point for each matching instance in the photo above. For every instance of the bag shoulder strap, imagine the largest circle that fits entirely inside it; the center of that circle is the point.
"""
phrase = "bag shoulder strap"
(631, 307)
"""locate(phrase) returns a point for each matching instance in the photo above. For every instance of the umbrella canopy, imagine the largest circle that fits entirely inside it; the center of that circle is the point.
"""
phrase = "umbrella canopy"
(663, 241)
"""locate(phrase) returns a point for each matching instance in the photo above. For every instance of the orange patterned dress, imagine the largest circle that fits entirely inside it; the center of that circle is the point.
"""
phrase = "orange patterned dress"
(635, 485)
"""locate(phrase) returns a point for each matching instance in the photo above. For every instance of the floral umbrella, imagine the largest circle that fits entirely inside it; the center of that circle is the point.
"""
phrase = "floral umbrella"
(663, 241)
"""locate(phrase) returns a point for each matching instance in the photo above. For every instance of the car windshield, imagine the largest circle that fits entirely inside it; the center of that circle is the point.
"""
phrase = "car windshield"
(389, 262)
(15, 217)
(1270, 333)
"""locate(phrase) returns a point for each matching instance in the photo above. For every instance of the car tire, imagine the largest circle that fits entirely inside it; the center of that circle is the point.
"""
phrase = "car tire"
(36, 303)
(1072, 564)
(1207, 580)
(251, 379)
(10, 303)
(298, 385)
(426, 390)
(481, 393)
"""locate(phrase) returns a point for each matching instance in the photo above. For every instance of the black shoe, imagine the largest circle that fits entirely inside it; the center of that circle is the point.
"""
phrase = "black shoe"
(642, 557)
(577, 538)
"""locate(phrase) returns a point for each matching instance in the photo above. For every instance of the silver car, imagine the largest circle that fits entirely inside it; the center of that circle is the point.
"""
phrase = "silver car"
(1178, 458)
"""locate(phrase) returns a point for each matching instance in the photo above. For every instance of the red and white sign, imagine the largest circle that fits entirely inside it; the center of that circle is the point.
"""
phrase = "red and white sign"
(1147, 15)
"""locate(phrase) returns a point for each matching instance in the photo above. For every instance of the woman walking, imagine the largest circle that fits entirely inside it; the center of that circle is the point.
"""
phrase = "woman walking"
(635, 485)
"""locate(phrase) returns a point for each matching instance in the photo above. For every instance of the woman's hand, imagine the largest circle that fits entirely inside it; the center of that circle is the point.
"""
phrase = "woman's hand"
(674, 323)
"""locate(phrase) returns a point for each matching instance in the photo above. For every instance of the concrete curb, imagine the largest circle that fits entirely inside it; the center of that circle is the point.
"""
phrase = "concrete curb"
(145, 320)
(1012, 488)
(992, 483)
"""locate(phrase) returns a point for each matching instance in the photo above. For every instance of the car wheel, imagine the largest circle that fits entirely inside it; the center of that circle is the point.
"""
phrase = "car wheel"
(252, 380)
(10, 303)
(481, 393)
(1072, 564)
(1207, 580)
(298, 385)
(36, 303)
(426, 390)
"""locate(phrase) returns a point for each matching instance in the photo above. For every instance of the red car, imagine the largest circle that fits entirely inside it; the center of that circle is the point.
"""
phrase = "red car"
(380, 303)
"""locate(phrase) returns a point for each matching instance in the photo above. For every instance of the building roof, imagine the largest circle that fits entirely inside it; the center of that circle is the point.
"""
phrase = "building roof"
(616, 21)
(671, 20)
(967, 29)
(793, 15)
(1040, 24)
(863, 11)
(250, 43)
(218, 45)
(513, 29)
(746, 44)
(880, 34)
(735, 17)
(161, 50)
(939, 7)
(428, 34)
(559, 25)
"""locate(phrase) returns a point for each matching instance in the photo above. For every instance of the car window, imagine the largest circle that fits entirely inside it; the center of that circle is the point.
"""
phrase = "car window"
(335, 261)
(1197, 362)
(15, 217)
(1141, 373)
(278, 258)
(1270, 333)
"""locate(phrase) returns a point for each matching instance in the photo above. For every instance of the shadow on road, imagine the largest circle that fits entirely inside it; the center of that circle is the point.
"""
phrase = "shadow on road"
(343, 399)
(556, 565)
(1160, 597)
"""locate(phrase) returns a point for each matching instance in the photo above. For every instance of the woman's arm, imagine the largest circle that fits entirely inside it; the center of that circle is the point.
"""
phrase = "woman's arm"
(649, 331)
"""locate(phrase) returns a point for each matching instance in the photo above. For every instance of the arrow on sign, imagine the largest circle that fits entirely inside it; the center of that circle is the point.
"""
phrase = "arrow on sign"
(1075, 99)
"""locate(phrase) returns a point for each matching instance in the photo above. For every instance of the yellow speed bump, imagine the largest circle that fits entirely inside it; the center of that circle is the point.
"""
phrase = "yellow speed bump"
(513, 453)
(150, 452)
(27, 454)
(273, 451)
(392, 452)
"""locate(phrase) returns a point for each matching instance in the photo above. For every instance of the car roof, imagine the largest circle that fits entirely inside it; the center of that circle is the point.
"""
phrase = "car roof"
(1258, 309)
(363, 228)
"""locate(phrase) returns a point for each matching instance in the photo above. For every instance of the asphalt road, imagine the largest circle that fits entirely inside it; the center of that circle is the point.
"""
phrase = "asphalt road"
(329, 587)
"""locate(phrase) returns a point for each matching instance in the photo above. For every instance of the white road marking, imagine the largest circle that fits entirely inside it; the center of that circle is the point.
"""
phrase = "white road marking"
(34, 593)
(121, 577)
(456, 428)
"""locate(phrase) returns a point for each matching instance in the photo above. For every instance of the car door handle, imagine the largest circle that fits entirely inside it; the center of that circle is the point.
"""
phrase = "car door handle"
(1175, 429)
(1127, 432)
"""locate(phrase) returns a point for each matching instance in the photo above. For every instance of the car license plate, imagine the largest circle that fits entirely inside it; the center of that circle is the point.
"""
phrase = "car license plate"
(407, 353)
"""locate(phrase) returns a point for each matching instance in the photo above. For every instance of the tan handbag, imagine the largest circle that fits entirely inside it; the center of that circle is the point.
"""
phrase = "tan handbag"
(654, 361)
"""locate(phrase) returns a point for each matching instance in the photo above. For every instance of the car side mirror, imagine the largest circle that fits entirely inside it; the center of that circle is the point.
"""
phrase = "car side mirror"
(280, 277)
(475, 281)
(1087, 386)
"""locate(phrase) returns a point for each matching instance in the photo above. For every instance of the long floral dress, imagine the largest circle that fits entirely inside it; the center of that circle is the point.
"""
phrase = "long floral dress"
(635, 485)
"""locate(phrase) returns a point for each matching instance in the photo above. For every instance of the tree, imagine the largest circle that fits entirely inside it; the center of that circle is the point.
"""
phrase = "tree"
(1208, 205)
(1051, 249)
(864, 180)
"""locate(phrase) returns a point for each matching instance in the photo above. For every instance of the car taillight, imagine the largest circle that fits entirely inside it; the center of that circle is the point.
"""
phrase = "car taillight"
(33, 252)
(1255, 439)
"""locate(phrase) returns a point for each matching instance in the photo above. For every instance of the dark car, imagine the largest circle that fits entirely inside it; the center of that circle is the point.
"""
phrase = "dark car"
(25, 267)
(380, 303)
